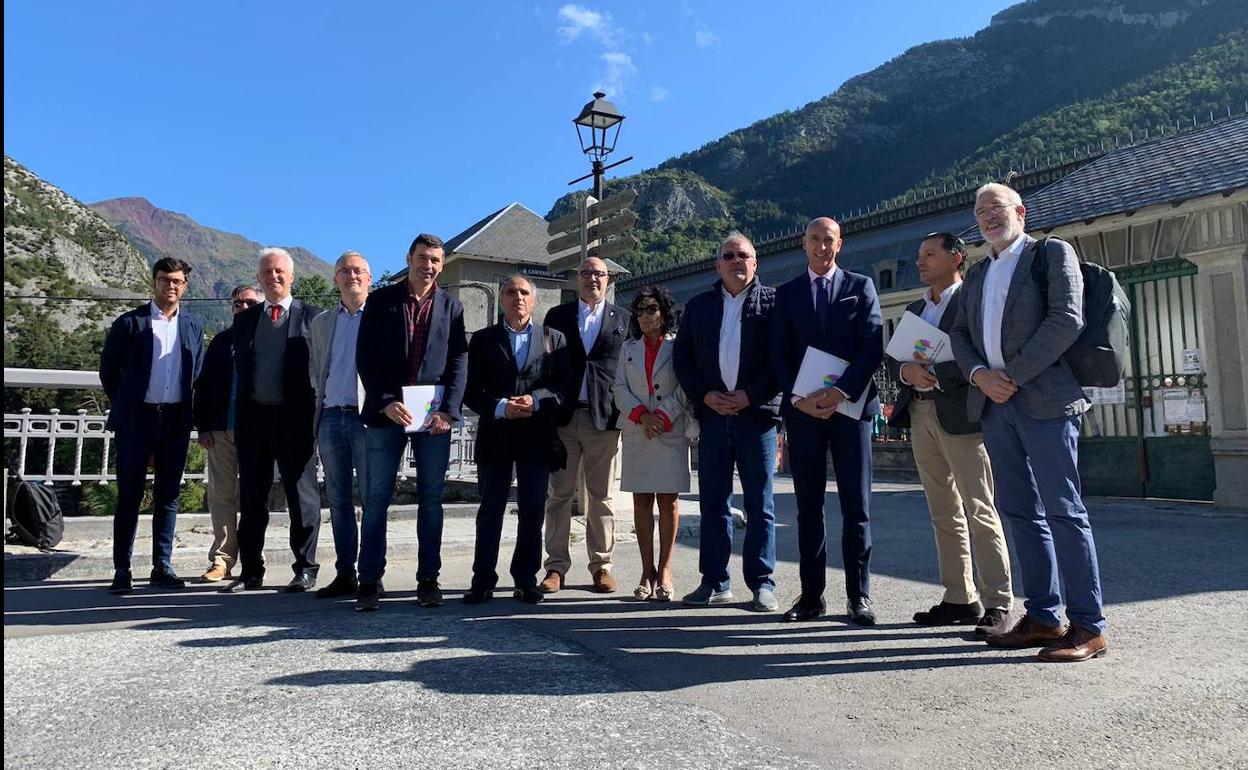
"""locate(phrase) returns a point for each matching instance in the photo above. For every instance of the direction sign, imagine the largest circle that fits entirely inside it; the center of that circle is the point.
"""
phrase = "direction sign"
(566, 222)
(565, 242)
(613, 226)
(615, 247)
(612, 203)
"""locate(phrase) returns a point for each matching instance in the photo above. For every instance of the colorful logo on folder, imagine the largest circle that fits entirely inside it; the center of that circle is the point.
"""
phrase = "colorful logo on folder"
(922, 348)
(829, 380)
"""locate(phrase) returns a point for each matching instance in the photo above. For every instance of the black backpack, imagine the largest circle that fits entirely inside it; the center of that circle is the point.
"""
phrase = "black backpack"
(1098, 358)
(36, 516)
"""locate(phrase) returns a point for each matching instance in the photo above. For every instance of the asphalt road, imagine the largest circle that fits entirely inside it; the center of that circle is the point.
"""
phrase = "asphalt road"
(197, 679)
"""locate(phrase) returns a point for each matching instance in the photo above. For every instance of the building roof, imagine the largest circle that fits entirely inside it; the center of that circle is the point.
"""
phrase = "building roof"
(1171, 169)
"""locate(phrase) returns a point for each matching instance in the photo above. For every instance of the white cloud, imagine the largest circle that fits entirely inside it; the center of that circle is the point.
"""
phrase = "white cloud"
(704, 37)
(620, 70)
(577, 20)
(659, 94)
(647, 38)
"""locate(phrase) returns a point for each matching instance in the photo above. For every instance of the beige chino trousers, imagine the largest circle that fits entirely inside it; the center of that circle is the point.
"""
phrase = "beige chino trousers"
(592, 452)
(222, 466)
(957, 480)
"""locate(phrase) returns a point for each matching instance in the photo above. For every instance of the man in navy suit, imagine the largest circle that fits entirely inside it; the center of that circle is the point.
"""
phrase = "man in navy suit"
(838, 312)
(151, 357)
(412, 334)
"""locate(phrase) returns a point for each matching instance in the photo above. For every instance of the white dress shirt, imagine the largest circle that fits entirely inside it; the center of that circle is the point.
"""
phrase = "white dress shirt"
(730, 339)
(589, 321)
(996, 289)
(933, 312)
(284, 304)
(831, 275)
(164, 384)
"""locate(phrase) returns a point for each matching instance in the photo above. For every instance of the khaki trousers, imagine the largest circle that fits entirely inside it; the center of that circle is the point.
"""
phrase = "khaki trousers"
(957, 480)
(592, 452)
(223, 498)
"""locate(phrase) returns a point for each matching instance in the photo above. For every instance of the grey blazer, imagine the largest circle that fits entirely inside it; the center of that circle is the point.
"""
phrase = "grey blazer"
(951, 397)
(1033, 335)
(320, 343)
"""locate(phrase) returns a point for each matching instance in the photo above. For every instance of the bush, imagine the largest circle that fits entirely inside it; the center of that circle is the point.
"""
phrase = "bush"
(101, 499)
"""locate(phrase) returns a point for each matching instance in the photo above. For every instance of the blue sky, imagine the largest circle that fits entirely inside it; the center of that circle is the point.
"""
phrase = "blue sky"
(336, 126)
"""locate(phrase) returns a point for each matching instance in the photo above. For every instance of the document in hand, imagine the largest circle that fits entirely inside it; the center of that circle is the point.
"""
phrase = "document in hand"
(421, 401)
(821, 370)
(918, 341)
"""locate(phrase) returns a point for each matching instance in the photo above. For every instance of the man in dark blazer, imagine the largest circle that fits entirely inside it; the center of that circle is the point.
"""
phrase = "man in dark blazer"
(216, 400)
(721, 360)
(519, 375)
(838, 312)
(595, 331)
(275, 406)
(949, 454)
(412, 334)
(151, 357)
(1009, 339)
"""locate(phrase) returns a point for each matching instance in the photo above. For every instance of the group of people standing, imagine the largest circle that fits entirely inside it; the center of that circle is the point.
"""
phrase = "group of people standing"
(994, 431)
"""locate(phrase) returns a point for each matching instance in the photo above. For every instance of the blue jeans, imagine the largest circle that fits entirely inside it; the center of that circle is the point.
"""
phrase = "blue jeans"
(340, 441)
(748, 444)
(432, 455)
(1035, 467)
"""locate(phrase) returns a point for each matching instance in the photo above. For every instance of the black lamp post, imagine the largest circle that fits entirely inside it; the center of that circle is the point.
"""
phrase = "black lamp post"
(594, 130)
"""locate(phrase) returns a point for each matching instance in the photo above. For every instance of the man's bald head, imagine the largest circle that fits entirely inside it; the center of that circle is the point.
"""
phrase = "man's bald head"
(592, 279)
(822, 243)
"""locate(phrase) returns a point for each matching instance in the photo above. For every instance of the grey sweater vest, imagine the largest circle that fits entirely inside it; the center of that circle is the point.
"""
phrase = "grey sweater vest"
(270, 359)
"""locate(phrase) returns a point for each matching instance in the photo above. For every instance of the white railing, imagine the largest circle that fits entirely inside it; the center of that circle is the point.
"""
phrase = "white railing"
(37, 437)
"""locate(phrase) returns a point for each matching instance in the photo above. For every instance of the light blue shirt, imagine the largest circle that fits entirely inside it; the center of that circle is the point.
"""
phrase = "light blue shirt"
(340, 381)
(520, 343)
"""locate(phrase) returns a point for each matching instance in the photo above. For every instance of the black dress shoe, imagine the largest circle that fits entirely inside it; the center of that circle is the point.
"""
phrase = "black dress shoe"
(950, 614)
(304, 581)
(162, 579)
(121, 583)
(477, 596)
(428, 593)
(995, 621)
(805, 609)
(369, 598)
(530, 595)
(860, 611)
(239, 584)
(342, 585)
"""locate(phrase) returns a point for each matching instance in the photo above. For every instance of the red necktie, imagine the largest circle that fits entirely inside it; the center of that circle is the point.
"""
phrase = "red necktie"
(274, 312)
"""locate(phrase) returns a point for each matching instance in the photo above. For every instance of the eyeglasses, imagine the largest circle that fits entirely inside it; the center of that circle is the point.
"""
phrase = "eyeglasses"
(352, 270)
(593, 274)
(165, 280)
(728, 256)
(984, 211)
(240, 303)
(649, 310)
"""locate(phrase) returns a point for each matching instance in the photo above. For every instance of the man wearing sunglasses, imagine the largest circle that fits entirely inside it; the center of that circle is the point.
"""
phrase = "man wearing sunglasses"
(721, 363)
(595, 330)
(216, 396)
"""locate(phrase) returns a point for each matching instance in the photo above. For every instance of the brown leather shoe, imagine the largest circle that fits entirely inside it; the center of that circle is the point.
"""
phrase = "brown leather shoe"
(1078, 644)
(551, 583)
(1026, 633)
(215, 574)
(604, 583)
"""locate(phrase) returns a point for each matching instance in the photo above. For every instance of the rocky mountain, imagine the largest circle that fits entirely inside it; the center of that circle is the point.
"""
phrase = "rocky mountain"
(1043, 79)
(220, 260)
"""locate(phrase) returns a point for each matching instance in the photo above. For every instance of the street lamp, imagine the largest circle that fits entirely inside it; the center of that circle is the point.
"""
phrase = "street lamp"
(593, 129)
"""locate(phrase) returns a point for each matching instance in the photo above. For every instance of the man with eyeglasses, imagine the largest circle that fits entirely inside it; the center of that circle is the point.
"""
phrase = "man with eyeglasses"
(336, 421)
(721, 362)
(1009, 339)
(216, 402)
(953, 465)
(595, 330)
(276, 405)
(151, 357)
(838, 312)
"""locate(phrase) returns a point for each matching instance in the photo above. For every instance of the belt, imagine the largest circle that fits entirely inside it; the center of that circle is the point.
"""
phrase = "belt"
(351, 409)
(582, 404)
(161, 407)
(923, 395)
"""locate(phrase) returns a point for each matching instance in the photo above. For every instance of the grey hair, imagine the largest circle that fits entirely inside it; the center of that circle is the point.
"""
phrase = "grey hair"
(349, 254)
(1007, 192)
(737, 235)
(277, 251)
(525, 278)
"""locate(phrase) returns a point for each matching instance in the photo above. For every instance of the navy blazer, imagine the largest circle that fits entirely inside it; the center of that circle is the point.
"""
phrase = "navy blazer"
(299, 398)
(696, 352)
(601, 361)
(382, 346)
(212, 387)
(855, 333)
(126, 363)
(492, 375)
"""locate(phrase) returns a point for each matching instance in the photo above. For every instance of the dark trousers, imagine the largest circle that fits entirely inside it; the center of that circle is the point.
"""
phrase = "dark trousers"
(264, 436)
(162, 433)
(850, 443)
(494, 483)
